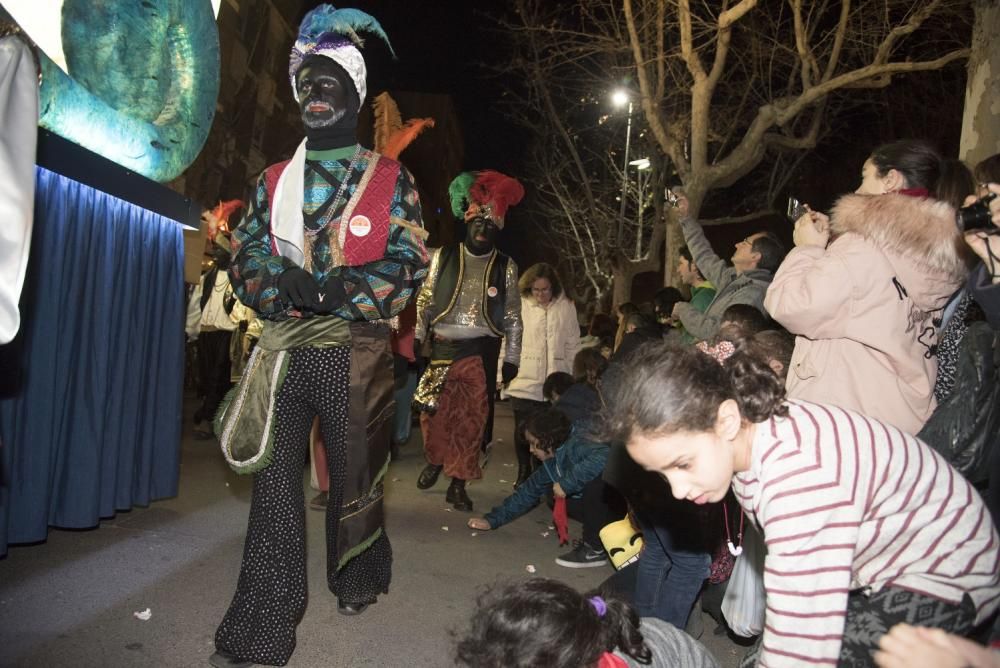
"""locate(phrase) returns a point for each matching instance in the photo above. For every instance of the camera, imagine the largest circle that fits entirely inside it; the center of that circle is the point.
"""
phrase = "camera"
(976, 216)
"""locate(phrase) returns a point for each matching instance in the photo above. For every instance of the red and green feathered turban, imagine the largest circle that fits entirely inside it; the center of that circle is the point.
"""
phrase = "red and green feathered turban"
(486, 193)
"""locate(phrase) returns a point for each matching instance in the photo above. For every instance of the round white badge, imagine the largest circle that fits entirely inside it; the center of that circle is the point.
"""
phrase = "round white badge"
(492, 292)
(360, 226)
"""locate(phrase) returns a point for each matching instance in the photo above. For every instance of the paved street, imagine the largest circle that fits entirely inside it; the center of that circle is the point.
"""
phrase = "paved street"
(70, 601)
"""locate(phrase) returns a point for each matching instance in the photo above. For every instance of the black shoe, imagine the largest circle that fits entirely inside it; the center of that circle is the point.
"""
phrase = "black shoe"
(353, 609)
(457, 497)
(523, 473)
(429, 476)
(582, 556)
(223, 659)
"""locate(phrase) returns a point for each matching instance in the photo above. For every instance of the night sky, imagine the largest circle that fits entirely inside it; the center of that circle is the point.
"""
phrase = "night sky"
(442, 46)
(445, 46)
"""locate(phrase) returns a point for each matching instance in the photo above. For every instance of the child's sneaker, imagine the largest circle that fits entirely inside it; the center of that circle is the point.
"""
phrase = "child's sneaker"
(582, 556)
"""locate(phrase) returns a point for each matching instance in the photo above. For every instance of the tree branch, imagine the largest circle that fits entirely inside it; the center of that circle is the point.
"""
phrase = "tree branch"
(885, 49)
(733, 220)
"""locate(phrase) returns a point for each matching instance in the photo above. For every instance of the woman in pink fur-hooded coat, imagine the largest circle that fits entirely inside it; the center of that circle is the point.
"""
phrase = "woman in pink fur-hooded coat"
(863, 308)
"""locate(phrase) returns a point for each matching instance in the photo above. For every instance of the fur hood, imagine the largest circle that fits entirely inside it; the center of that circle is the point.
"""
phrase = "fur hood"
(919, 231)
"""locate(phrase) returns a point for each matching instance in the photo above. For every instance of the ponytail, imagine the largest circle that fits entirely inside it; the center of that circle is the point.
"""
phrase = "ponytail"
(758, 390)
(620, 627)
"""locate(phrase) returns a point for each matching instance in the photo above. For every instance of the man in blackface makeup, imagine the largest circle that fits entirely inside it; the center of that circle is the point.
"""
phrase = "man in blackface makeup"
(468, 303)
(331, 249)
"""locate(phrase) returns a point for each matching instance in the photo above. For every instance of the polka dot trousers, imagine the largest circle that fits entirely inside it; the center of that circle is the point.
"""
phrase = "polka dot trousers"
(271, 592)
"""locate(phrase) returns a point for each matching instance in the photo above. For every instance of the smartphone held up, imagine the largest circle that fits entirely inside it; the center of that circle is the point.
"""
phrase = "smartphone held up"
(796, 209)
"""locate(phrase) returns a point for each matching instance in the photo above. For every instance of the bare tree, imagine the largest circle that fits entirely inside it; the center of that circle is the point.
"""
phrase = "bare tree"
(724, 92)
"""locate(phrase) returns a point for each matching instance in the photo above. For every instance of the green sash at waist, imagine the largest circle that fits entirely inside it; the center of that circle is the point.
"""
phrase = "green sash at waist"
(244, 423)
(318, 332)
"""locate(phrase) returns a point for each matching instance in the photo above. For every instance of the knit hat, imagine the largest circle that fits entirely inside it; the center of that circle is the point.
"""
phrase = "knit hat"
(333, 33)
(487, 193)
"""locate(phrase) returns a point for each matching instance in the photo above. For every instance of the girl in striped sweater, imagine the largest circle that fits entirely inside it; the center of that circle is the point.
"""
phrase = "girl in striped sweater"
(865, 525)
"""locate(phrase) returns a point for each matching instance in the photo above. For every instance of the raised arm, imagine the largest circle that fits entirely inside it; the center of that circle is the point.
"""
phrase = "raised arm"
(712, 267)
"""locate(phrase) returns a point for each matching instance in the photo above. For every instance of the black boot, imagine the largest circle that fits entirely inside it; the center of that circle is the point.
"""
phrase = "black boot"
(353, 609)
(223, 659)
(457, 497)
(429, 476)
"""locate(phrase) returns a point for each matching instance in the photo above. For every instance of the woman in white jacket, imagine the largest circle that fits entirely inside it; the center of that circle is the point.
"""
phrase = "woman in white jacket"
(550, 341)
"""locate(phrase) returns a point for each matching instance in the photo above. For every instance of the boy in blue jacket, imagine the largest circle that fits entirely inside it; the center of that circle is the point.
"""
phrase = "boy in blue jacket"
(572, 464)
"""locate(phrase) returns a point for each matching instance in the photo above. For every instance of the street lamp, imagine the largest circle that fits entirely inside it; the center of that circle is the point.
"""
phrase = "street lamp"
(620, 98)
(642, 167)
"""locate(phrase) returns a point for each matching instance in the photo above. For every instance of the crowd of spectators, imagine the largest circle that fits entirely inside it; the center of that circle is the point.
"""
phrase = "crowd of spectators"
(842, 396)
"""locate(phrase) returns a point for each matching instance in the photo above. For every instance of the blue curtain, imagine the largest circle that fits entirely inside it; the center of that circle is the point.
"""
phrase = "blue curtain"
(91, 389)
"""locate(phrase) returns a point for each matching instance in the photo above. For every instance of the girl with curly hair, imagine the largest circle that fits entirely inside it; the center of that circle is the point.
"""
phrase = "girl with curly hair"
(865, 525)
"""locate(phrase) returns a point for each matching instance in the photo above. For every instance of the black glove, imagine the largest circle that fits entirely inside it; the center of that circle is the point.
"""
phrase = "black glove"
(331, 295)
(296, 286)
(508, 372)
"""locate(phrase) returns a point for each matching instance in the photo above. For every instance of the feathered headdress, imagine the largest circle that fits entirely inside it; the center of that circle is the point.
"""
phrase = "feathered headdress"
(217, 219)
(487, 193)
(392, 136)
(330, 32)
(402, 137)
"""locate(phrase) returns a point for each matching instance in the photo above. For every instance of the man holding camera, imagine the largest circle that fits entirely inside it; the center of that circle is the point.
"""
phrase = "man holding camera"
(755, 260)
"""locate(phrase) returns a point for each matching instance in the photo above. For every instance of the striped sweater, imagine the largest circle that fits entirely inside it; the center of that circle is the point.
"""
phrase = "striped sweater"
(846, 502)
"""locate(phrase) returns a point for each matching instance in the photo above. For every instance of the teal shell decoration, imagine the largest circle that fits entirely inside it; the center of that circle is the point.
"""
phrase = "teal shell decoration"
(142, 85)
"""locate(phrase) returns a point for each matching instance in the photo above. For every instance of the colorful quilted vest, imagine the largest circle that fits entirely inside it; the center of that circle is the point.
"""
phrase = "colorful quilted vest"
(361, 233)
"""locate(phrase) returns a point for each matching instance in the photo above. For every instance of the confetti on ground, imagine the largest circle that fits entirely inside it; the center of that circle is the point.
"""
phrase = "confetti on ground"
(144, 615)
(510, 466)
(551, 528)
(444, 528)
(530, 568)
(448, 510)
(227, 484)
(475, 533)
(545, 534)
(395, 479)
(503, 482)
